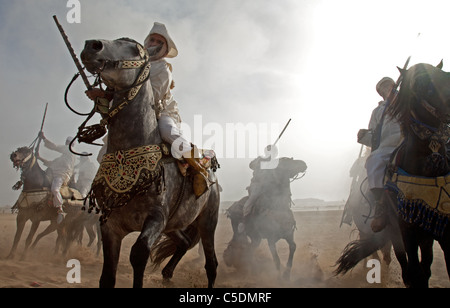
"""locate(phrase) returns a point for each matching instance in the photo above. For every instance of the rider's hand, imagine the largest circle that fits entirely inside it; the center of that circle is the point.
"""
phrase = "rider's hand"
(362, 133)
(93, 94)
(17, 186)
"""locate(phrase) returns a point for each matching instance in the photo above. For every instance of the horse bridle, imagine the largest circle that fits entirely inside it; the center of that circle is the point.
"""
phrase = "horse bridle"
(91, 133)
(25, 160)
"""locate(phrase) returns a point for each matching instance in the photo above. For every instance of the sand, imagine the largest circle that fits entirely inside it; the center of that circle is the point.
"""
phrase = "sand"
(319, 240)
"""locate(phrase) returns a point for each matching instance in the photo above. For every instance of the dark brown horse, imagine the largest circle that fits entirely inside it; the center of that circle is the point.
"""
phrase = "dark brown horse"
(153, 198)
(33, 202)
(271, 219)
(417, 193)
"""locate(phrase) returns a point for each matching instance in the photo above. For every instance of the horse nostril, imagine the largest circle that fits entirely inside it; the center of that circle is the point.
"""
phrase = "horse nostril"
(94, 45)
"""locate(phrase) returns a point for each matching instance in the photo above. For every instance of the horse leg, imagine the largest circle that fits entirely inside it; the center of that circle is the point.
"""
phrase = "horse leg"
(34, 227)
(20, 225)
(59, 239)
(394, 232)
(111, 251)
(292, 248)
(183, 243)
(99, 237)
(426, 254)
(52, 227)
(91, 233)
(273, 250)
(207, 224)
(153, 227)
(445, 245)
(416, 275)
(386, 252)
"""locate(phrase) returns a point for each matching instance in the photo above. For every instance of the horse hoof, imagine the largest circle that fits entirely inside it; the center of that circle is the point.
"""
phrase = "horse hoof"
(167, 274)
(287, 276)
(167, 282)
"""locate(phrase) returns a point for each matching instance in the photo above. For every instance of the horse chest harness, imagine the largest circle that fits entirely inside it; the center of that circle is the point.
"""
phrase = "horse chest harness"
(424, 201)
(125, 174)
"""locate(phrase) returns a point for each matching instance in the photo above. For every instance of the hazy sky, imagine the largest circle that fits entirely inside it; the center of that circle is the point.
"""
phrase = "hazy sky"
(249, 63)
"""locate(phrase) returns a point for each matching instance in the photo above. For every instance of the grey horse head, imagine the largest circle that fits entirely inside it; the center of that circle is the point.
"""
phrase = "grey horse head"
(117, 61)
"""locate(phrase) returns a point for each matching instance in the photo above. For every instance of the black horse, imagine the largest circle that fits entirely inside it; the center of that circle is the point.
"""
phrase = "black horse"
(152, 197)
(271, 219)
(417, 194)
(33, 201)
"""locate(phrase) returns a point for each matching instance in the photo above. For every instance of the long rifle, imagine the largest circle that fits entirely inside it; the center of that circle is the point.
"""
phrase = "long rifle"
(268, 150)
(72, 53)
(41, 130)
(282, 132)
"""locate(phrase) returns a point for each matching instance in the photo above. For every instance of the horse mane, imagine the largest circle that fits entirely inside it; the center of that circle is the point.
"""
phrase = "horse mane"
(417, 82)
(399, 108)
(127, 39)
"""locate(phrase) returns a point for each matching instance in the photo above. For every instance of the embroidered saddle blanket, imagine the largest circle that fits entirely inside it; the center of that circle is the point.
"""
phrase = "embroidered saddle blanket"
(422, 200)
(127, 173)
(121, 170)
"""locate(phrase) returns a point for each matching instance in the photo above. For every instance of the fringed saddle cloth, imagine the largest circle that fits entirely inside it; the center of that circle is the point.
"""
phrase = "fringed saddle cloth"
(421, 200)
(124, 174)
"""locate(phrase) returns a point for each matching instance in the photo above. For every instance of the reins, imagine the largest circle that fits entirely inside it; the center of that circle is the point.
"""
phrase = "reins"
(88, 134)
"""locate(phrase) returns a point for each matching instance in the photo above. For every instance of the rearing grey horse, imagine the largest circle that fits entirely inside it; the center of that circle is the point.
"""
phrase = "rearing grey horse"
(150, 196)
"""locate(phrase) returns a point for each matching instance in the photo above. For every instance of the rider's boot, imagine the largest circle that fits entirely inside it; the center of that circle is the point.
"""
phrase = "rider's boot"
(381, 219)
(201, 180)
(61, 215)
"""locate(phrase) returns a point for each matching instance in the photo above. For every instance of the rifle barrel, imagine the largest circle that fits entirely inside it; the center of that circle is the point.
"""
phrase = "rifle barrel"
(72, 53)
(43, 119)
(282, 132)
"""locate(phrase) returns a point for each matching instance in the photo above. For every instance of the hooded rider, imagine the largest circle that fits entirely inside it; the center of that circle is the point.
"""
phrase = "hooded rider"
(62, 170)
(162, 46)
(383, 136)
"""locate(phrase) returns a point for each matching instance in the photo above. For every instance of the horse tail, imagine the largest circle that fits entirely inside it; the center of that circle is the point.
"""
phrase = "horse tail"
(358, 250)
(167, 246)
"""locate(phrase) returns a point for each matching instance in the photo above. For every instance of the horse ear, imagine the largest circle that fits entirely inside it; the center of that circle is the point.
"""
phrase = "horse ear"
(401, 70)
(441, 64)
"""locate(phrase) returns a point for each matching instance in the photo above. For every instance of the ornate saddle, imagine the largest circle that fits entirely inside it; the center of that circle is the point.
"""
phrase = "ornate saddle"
(40, 198)
(124, 174)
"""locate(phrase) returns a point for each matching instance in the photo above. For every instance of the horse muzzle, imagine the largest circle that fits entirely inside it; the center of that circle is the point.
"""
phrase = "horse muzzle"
(17, 163)
(90, 56)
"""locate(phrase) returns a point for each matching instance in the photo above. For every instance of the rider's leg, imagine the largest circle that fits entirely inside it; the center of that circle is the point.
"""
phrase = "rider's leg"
(57, 198)
(380, 220)
(181, 148)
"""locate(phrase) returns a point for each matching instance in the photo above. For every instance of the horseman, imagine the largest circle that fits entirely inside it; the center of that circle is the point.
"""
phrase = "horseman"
(62, 169)
(160, 45)
(383, 136)
(264, 176)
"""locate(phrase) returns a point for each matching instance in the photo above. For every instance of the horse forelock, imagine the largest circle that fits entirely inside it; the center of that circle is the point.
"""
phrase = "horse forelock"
(417, 83)
(22, 150)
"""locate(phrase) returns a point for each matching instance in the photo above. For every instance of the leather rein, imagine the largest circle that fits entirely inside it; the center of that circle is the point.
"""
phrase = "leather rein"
(88, 134)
